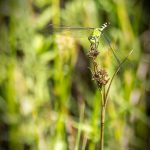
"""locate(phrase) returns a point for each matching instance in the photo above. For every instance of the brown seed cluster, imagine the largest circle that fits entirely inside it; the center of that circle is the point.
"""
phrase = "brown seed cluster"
(99, 75)
(93, 54)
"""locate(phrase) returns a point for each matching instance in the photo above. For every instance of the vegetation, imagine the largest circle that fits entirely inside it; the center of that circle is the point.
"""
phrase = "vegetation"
(47, 98)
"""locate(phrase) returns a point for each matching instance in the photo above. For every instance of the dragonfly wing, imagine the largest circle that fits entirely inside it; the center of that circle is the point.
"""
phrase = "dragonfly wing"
(113, 51)
(69, 31)
(62, 27)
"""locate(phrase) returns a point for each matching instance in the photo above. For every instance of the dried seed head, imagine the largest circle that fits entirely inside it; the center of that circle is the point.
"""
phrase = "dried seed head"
(93, 54)
(103, 72)
(101, 77)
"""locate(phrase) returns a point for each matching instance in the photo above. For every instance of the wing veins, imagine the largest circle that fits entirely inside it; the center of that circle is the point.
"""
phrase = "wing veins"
(53, 27)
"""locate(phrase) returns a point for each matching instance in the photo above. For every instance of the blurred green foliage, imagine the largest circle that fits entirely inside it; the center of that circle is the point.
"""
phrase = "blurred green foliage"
(47, 98)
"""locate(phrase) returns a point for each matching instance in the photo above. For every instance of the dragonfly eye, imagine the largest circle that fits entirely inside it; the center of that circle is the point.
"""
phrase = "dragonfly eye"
(90, 37)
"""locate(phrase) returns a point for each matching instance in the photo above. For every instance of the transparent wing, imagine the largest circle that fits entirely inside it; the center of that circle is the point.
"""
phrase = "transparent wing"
(108, 54)
(115, 55)
(60, 28)
(113, 51)
(79, 32)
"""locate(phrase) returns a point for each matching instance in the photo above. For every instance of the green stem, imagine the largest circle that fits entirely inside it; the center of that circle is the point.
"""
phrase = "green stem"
(117, 70)
(105, 99)
(102, 119)
(102, 128)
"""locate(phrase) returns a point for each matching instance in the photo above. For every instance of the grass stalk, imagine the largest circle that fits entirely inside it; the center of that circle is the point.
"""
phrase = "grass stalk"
(101, 78)
(115, 73)
(105, 100)
(102, 128)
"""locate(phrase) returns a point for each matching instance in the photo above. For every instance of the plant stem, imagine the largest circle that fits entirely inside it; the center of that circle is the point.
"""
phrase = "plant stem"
(102, 119)
(115, 73)
(105, 99)
(102, 127)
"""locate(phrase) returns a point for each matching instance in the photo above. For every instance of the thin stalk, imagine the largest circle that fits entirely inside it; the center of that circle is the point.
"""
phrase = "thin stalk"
(101, 78)
(117, 70)
(102, 119)
(104, 94)
(102, 128)
(102, 97)
(105, 99)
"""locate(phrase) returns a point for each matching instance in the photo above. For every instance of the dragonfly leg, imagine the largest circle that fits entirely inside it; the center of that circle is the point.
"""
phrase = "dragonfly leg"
(93, 47)
(97, 43)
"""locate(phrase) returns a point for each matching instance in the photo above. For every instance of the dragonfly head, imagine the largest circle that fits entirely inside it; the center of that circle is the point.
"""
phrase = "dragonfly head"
(92, 39)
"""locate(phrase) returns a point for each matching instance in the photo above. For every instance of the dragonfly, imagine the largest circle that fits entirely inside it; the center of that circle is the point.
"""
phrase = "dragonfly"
(94, 37)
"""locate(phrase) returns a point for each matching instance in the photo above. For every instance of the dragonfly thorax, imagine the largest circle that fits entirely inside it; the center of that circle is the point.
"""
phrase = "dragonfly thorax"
(95, 36)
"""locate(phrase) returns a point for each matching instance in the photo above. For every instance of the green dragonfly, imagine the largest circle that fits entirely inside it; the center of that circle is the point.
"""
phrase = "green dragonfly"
(94, 37)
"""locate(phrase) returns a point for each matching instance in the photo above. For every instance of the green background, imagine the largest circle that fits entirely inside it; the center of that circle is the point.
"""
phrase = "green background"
(47, 98)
